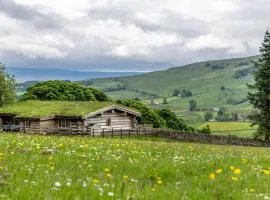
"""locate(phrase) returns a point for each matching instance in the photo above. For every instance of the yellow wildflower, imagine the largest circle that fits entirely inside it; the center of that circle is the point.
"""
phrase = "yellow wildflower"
(212, 176)
(106, 170)
(237, 171)
(218, 171)
(251, 190)
(266, 172)
(125, 178)
(232, 168)
(109, 175)
(159, 182)
(95, 181)
(234, 178)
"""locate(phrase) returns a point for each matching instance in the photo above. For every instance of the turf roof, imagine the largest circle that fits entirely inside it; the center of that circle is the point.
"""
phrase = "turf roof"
(50, 108)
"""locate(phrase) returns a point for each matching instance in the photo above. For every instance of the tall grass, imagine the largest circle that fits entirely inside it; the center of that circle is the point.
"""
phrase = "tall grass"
(42, 167)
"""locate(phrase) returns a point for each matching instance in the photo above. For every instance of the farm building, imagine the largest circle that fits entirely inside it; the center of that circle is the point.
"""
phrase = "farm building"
(66, 117)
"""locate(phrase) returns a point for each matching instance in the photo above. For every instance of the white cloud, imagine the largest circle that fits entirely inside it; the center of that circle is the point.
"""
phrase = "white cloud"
(205, 42)
(170, 31)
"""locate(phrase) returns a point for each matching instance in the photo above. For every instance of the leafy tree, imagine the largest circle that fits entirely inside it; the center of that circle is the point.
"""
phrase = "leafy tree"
(186, 93)
(172, 121)
(259, 95)
(7, 87)
(192, 105)
(221, 111)
(235, 116)
(208, 115)
(176, 93)
(165, 101)
(148, 116)
(222, 88)
(63, 91)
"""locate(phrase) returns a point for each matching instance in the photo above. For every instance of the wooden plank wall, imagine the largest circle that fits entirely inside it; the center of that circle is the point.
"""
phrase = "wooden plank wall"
(34, 128)
(119, 120)
(51, 126)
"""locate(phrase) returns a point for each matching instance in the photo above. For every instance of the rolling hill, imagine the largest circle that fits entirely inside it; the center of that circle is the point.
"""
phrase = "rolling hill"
(212, 83)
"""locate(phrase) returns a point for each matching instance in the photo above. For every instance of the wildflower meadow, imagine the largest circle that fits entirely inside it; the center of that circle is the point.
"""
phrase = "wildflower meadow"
(62, 167)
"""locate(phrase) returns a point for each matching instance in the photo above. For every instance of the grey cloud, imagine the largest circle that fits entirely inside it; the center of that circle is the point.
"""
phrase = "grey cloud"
(88, 38)
(31, 15)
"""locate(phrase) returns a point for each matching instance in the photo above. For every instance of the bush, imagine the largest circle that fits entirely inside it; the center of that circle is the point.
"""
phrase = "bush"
(208, 115)
(206, 130)
(176, 93)
(186, 93)
(63, 91)
(172, 121)
(192, 105)
(243, 72)
(148, 116)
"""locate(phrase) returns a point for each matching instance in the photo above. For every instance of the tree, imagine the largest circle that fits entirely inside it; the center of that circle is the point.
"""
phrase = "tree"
(7, 86)
(172, 121)
(176, 93)
(148, 116)
(192, 105)
(221, 111)
(63, 91)
(186, 93)
(259, 95)
(208, 115)
(235, 116)
(164, 100)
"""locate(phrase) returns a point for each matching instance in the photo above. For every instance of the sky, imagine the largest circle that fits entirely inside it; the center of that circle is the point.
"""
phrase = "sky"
(128, 35)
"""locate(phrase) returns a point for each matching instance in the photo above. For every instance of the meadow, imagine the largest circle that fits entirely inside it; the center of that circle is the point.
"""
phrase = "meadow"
(241, 129)
(60, 167)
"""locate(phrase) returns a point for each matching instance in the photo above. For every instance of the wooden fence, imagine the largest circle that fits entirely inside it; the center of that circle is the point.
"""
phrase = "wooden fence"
(97, 132)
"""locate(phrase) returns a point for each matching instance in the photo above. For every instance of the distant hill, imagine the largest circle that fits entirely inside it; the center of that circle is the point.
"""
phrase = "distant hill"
(42, 74)
(212, 83)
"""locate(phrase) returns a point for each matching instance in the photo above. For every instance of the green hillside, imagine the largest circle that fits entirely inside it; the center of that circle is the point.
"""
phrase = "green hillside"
(212, 83)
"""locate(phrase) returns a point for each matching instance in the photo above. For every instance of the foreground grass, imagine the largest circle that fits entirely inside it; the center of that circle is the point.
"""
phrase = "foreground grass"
(51, 167)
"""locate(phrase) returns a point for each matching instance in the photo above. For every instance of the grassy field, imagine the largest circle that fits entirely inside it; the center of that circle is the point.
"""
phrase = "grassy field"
(52, 167)
(230, 128)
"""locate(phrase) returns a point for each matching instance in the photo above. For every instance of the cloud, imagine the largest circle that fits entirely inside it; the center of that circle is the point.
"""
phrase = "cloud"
(124, 33)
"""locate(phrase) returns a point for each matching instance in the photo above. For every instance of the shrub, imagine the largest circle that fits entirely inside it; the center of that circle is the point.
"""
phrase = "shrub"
(206, 130)
(63, 91)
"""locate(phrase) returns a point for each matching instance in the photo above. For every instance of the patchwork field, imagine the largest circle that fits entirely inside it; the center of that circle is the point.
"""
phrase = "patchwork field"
(53, 167)
(241, 129)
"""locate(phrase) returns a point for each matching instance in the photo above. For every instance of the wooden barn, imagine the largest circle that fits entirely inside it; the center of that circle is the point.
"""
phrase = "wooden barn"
(66, 117)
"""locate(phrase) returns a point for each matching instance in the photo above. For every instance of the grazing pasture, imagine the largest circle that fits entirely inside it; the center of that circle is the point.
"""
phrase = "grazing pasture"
(241, 129)
(60, 167)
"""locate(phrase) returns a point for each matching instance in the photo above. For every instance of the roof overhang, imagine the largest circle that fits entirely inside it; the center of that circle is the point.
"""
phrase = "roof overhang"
(7, 114)
(116, 107)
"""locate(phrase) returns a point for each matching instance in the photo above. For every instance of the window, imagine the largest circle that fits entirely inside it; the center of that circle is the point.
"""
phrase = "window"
(27, 124)
(63, 123)
(108, 122)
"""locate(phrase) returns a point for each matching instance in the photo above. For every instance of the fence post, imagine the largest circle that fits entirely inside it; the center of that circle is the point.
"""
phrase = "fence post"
(103, 132)
(121, 132)
(128, 132)
(93, 132)
(112, 132)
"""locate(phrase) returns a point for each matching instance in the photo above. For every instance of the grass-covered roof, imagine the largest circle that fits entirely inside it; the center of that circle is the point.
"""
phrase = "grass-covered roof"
(50, 108)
